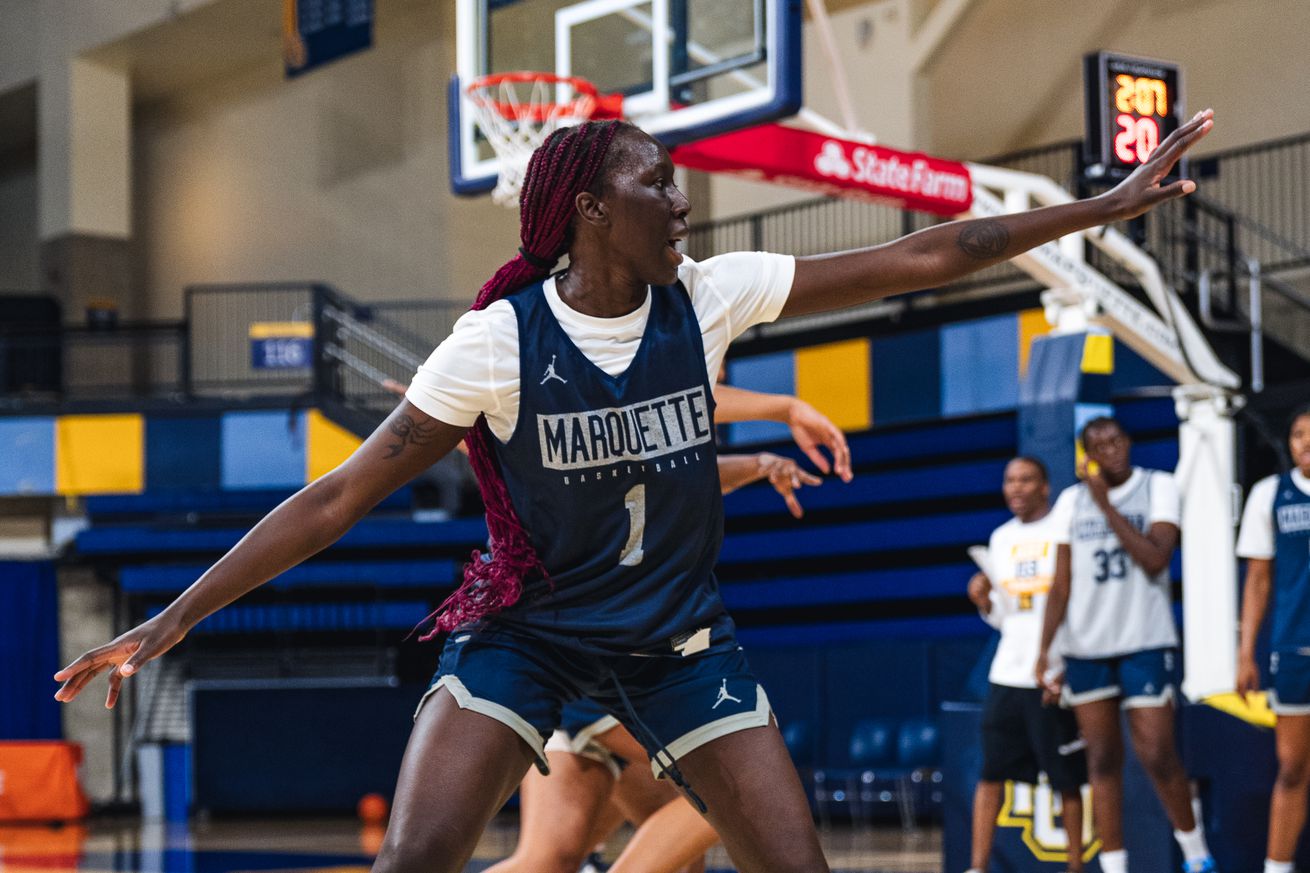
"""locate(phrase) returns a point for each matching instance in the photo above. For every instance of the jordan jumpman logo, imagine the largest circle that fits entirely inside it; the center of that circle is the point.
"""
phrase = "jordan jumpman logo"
(551, 374)
(724, 696)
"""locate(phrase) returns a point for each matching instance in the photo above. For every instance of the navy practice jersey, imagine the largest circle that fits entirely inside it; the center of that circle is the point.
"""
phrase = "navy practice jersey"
(616, 481)
(1291, 567)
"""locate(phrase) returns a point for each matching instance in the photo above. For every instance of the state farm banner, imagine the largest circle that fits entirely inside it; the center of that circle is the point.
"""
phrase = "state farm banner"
(828, 165)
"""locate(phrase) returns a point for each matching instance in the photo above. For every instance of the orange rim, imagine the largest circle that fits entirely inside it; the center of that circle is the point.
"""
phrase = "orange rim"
(588, 103)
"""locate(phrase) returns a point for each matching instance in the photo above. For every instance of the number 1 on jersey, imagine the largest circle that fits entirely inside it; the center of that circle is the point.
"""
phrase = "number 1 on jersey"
(635, 502)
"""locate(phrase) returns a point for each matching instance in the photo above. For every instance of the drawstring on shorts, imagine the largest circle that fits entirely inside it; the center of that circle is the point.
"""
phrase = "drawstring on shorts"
(648, 739)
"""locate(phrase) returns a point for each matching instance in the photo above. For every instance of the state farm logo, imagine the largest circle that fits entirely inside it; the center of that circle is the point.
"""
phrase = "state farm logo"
(886, 171)
(831, 161)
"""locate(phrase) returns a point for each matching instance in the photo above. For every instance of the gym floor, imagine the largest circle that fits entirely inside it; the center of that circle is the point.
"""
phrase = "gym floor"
(343, 846)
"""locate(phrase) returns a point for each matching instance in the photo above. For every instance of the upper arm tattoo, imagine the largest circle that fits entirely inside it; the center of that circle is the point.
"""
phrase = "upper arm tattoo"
(406, 431)
(983, 239)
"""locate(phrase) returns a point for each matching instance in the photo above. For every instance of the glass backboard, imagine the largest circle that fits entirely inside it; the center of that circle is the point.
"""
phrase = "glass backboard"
(687, 69)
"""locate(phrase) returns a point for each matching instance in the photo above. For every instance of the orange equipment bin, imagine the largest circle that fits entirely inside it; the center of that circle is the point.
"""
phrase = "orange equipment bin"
(38, 781)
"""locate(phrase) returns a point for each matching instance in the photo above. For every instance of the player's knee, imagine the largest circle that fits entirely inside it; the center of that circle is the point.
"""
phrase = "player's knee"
(1159, 758)
(562, 860)
(412, 855)
(1104, 762)
(1294, 774)
(798, 859)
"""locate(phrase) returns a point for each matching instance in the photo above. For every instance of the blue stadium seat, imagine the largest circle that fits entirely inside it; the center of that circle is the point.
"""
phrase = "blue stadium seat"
(918, 744)
(799, 739)
(872, 743)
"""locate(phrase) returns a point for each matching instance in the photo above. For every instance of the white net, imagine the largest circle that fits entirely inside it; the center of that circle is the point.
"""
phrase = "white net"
(517, 111)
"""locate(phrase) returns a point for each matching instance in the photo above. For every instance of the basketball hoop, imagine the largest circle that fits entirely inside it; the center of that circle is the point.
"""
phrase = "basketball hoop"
(517, 111)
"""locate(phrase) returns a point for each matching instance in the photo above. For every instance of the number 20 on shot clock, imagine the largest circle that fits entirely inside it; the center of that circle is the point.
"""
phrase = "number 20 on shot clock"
(1132, 105)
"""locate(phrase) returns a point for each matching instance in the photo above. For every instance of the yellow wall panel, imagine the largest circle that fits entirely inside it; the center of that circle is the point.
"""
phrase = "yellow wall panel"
(100, 454)
(326, 446)
(1032, 324)
(836, 378)
(1098, 353)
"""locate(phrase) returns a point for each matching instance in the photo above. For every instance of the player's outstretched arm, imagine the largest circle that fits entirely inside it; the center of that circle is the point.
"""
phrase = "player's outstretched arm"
(1255, 603)
(810, 428)
(942, 254)
(316, 516)
(784, 474)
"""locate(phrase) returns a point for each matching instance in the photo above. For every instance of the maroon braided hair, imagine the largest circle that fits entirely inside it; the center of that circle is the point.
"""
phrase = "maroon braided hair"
(569, 162)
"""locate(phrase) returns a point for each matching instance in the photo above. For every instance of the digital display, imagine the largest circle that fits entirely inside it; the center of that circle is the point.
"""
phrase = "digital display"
(1132, 105)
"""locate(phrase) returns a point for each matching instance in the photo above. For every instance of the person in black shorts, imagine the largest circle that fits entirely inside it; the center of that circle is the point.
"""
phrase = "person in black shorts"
(1023, 735)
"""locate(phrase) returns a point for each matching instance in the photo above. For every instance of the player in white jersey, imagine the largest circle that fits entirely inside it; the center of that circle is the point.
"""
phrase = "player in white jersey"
(1275, 540)
(1118, 529)
(1022, 734)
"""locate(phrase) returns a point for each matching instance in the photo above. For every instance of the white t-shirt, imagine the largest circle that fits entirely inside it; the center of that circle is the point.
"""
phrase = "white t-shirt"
(1256, 537)
(1021, 566)
(476, 369)
(1115, 607)
(1166, 504)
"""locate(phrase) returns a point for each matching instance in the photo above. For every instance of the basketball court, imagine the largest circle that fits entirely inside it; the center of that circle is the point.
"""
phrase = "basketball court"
(239, 230)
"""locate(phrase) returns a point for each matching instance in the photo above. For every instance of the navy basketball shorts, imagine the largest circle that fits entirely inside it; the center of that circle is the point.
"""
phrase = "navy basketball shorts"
(1289, 682)
(1022, 738)
(674, 702)
(1142, 679)
(581, 722)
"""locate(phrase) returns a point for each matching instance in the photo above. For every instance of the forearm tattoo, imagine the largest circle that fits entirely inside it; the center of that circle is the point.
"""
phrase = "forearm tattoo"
(984, 239)
(409, 432)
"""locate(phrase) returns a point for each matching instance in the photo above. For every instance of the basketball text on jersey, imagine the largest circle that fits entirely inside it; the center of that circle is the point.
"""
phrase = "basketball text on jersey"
(1096, 528)
(649, 429)
(1294, 518)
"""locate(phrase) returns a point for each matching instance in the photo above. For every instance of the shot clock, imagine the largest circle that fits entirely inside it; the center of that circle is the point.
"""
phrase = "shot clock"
(1132, 105)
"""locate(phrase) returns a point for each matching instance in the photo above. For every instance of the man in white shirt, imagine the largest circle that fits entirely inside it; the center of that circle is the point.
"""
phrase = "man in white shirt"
(1118, 529)
(1023, 735)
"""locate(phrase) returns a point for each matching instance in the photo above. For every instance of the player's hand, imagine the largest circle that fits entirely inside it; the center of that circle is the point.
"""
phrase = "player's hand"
(980, 590)
(1040, 668)
(811, 429)
(1248, 677)
(121, 657)
(786, 477)
(1096, 484)
(1051, 687)
(1142, 190)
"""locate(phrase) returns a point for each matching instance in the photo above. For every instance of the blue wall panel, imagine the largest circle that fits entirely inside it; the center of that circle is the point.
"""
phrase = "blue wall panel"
(775, 374)
(27, 456)
(29, 651)
(980, 365)
(182, 452)
(907, 377)
(263, 450)
(1131, 370)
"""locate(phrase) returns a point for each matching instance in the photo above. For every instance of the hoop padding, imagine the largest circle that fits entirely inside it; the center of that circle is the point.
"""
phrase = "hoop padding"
(517, 111)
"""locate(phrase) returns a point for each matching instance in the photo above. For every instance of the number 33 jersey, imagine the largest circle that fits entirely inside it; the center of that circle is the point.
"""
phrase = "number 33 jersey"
(615, 478)
(1116, 607)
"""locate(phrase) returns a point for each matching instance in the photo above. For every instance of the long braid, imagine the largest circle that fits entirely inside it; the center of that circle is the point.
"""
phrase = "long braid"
(565, 165)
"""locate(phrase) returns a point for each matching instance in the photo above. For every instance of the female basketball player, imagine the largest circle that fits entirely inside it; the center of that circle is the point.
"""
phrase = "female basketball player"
(589, 792)
(585, 396)
(1117, 530)
(1275, 540)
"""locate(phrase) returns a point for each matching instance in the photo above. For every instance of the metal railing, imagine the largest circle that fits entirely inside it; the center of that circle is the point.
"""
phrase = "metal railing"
(352, 347)
(127, 362)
